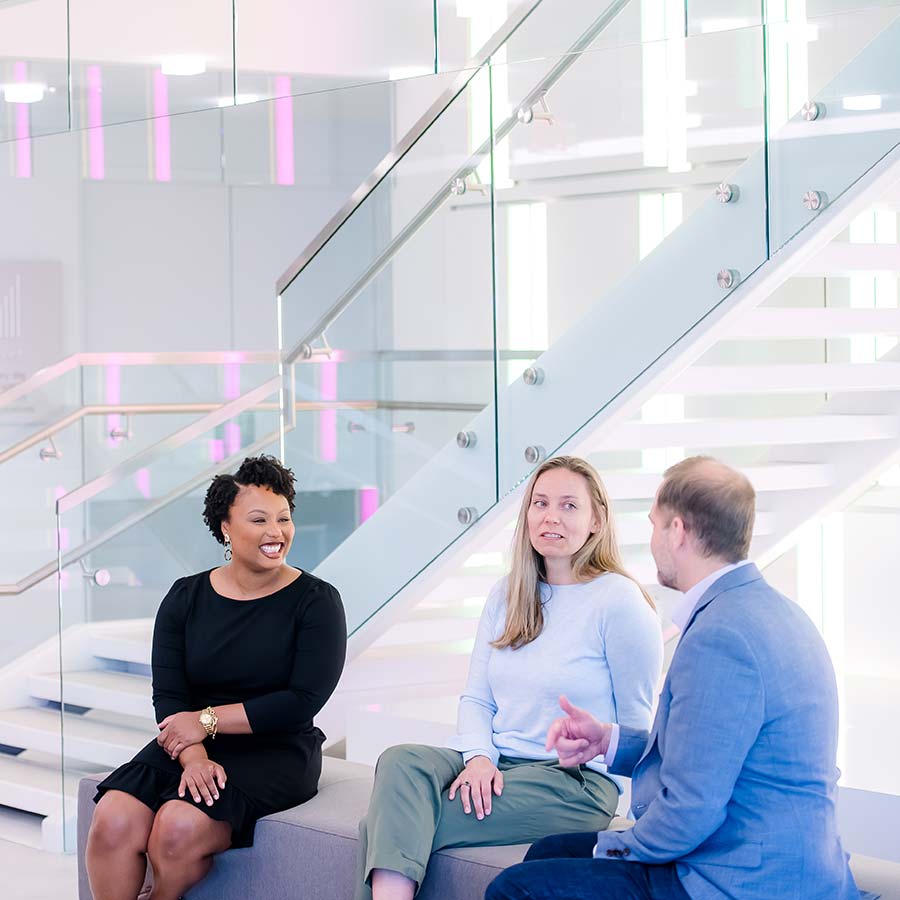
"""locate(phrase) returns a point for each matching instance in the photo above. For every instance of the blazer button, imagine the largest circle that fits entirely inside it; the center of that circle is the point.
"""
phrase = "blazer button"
(626, 852)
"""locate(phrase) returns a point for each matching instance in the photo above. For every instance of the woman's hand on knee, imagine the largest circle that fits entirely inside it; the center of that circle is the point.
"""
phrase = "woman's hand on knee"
(203, 779)
(476, 784)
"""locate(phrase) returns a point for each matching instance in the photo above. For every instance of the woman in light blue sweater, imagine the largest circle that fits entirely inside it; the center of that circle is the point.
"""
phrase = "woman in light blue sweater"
(567, 620)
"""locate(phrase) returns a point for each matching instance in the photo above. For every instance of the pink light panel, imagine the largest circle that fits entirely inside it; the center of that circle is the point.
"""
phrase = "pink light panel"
(142, 482)
(232, 438)
(232, 378)
(23, 126)
(162, 141)
(216, 450)
(368, 503)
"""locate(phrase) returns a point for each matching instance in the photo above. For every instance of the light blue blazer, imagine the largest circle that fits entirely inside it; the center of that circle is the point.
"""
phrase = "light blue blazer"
(737, 780)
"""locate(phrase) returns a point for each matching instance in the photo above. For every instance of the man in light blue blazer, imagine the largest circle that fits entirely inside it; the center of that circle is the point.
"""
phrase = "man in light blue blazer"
(733, 790)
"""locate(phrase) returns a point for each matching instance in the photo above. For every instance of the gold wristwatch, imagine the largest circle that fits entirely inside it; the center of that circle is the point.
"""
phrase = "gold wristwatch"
(210, 721)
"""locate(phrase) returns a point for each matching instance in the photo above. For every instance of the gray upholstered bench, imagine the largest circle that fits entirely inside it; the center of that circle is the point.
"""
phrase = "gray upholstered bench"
(309, 852)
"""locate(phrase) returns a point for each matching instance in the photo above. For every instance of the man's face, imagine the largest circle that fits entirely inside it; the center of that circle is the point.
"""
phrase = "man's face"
(660, 547)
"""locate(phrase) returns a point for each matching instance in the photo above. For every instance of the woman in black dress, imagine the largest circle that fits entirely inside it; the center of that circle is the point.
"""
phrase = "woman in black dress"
(243, 657)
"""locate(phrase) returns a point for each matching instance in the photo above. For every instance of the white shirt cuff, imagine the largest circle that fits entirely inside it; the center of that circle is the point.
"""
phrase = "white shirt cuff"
(610, 756)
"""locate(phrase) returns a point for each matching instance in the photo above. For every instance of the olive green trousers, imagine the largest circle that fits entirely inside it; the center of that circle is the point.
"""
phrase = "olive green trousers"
(410, 816)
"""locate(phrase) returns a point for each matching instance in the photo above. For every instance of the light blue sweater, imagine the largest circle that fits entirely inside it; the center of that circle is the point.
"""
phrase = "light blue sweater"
(601, 646)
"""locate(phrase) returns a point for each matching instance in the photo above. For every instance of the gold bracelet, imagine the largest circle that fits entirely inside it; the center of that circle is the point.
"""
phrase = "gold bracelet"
(210, 722)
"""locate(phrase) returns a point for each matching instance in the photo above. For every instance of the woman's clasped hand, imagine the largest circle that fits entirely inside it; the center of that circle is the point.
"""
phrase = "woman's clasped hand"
(180, 730)
(477, 784)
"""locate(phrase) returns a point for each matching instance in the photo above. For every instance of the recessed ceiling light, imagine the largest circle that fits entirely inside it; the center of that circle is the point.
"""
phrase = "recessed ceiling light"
(24, 92)
(863, 103)
(183, 65)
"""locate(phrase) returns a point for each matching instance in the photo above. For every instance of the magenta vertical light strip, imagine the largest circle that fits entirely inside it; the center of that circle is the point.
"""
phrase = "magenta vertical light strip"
(216, 450)
(284, 131)
(96, 153)
(232, 438)
(232, 378)
(162, 136)
(368, 503)
(142, 482)
(113, 395)
(23, 126)
(328, 377)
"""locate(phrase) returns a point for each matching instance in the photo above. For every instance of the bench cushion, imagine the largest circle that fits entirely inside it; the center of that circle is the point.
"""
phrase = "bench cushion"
(309, 852)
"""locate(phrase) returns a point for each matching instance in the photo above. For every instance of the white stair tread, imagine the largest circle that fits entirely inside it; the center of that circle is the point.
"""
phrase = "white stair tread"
(815, 322)
(104, 739)
(32, 782)
(636, 485)
(750, 432)
(120, 692)
(786, 378)
(128, 641)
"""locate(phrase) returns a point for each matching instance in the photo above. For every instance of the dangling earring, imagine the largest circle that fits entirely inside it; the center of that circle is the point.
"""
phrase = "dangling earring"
(228, 553)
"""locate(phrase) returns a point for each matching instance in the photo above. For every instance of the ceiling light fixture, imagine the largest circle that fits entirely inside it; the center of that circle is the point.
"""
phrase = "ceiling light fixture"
(183, 65)
(24, 92)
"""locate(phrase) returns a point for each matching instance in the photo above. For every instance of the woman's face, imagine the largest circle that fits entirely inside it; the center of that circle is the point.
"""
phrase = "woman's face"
(260, 527)
(560, 518)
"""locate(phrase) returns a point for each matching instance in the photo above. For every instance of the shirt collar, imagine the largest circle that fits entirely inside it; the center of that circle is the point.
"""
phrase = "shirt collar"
(685, 604)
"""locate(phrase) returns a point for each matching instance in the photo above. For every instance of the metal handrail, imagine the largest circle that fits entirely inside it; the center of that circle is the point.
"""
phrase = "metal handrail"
(166, 358)
(537, 93)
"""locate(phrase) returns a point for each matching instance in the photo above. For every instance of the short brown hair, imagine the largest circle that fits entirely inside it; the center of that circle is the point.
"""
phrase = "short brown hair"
(716, 503)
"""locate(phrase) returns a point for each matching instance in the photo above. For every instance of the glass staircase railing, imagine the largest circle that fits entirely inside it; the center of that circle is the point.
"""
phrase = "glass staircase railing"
(482, 234)
(73, 421)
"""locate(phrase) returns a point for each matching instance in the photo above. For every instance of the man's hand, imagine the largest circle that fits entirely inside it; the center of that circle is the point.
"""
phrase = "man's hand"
(476, 783)
(179, 731)
(577, 737)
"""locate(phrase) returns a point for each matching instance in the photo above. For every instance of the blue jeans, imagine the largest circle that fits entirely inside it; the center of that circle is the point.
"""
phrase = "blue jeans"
(562, 868)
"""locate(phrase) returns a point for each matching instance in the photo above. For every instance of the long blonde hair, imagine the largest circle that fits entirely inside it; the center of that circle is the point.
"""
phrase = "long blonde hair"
(599, 554)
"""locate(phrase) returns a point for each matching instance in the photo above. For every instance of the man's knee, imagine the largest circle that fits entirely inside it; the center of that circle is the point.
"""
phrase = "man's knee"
(508, 885)
(579, 845)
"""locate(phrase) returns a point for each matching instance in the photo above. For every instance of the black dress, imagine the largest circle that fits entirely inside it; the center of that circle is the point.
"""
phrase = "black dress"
(281, 656)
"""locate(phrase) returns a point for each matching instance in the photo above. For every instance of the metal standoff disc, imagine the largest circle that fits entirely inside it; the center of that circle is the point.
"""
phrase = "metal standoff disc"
(727, 278)
(725, 193)
(811, 111)
(813, 200)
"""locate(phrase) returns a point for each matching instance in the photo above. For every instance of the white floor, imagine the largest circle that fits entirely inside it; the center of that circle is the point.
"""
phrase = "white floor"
(30, 874)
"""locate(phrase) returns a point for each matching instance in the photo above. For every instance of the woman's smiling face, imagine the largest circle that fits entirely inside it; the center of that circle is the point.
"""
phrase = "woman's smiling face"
(260, 527)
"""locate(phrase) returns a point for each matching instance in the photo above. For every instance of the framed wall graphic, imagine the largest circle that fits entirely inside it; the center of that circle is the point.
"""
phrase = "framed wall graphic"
(31, 320)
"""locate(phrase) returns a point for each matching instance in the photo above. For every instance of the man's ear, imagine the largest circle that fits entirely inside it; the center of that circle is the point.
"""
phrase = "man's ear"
(677, 531)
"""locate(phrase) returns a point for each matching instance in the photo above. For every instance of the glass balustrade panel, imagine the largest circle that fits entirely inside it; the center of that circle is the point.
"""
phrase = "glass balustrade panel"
(391, 331)
(607, 198)
(34, 94)
(833, 86)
